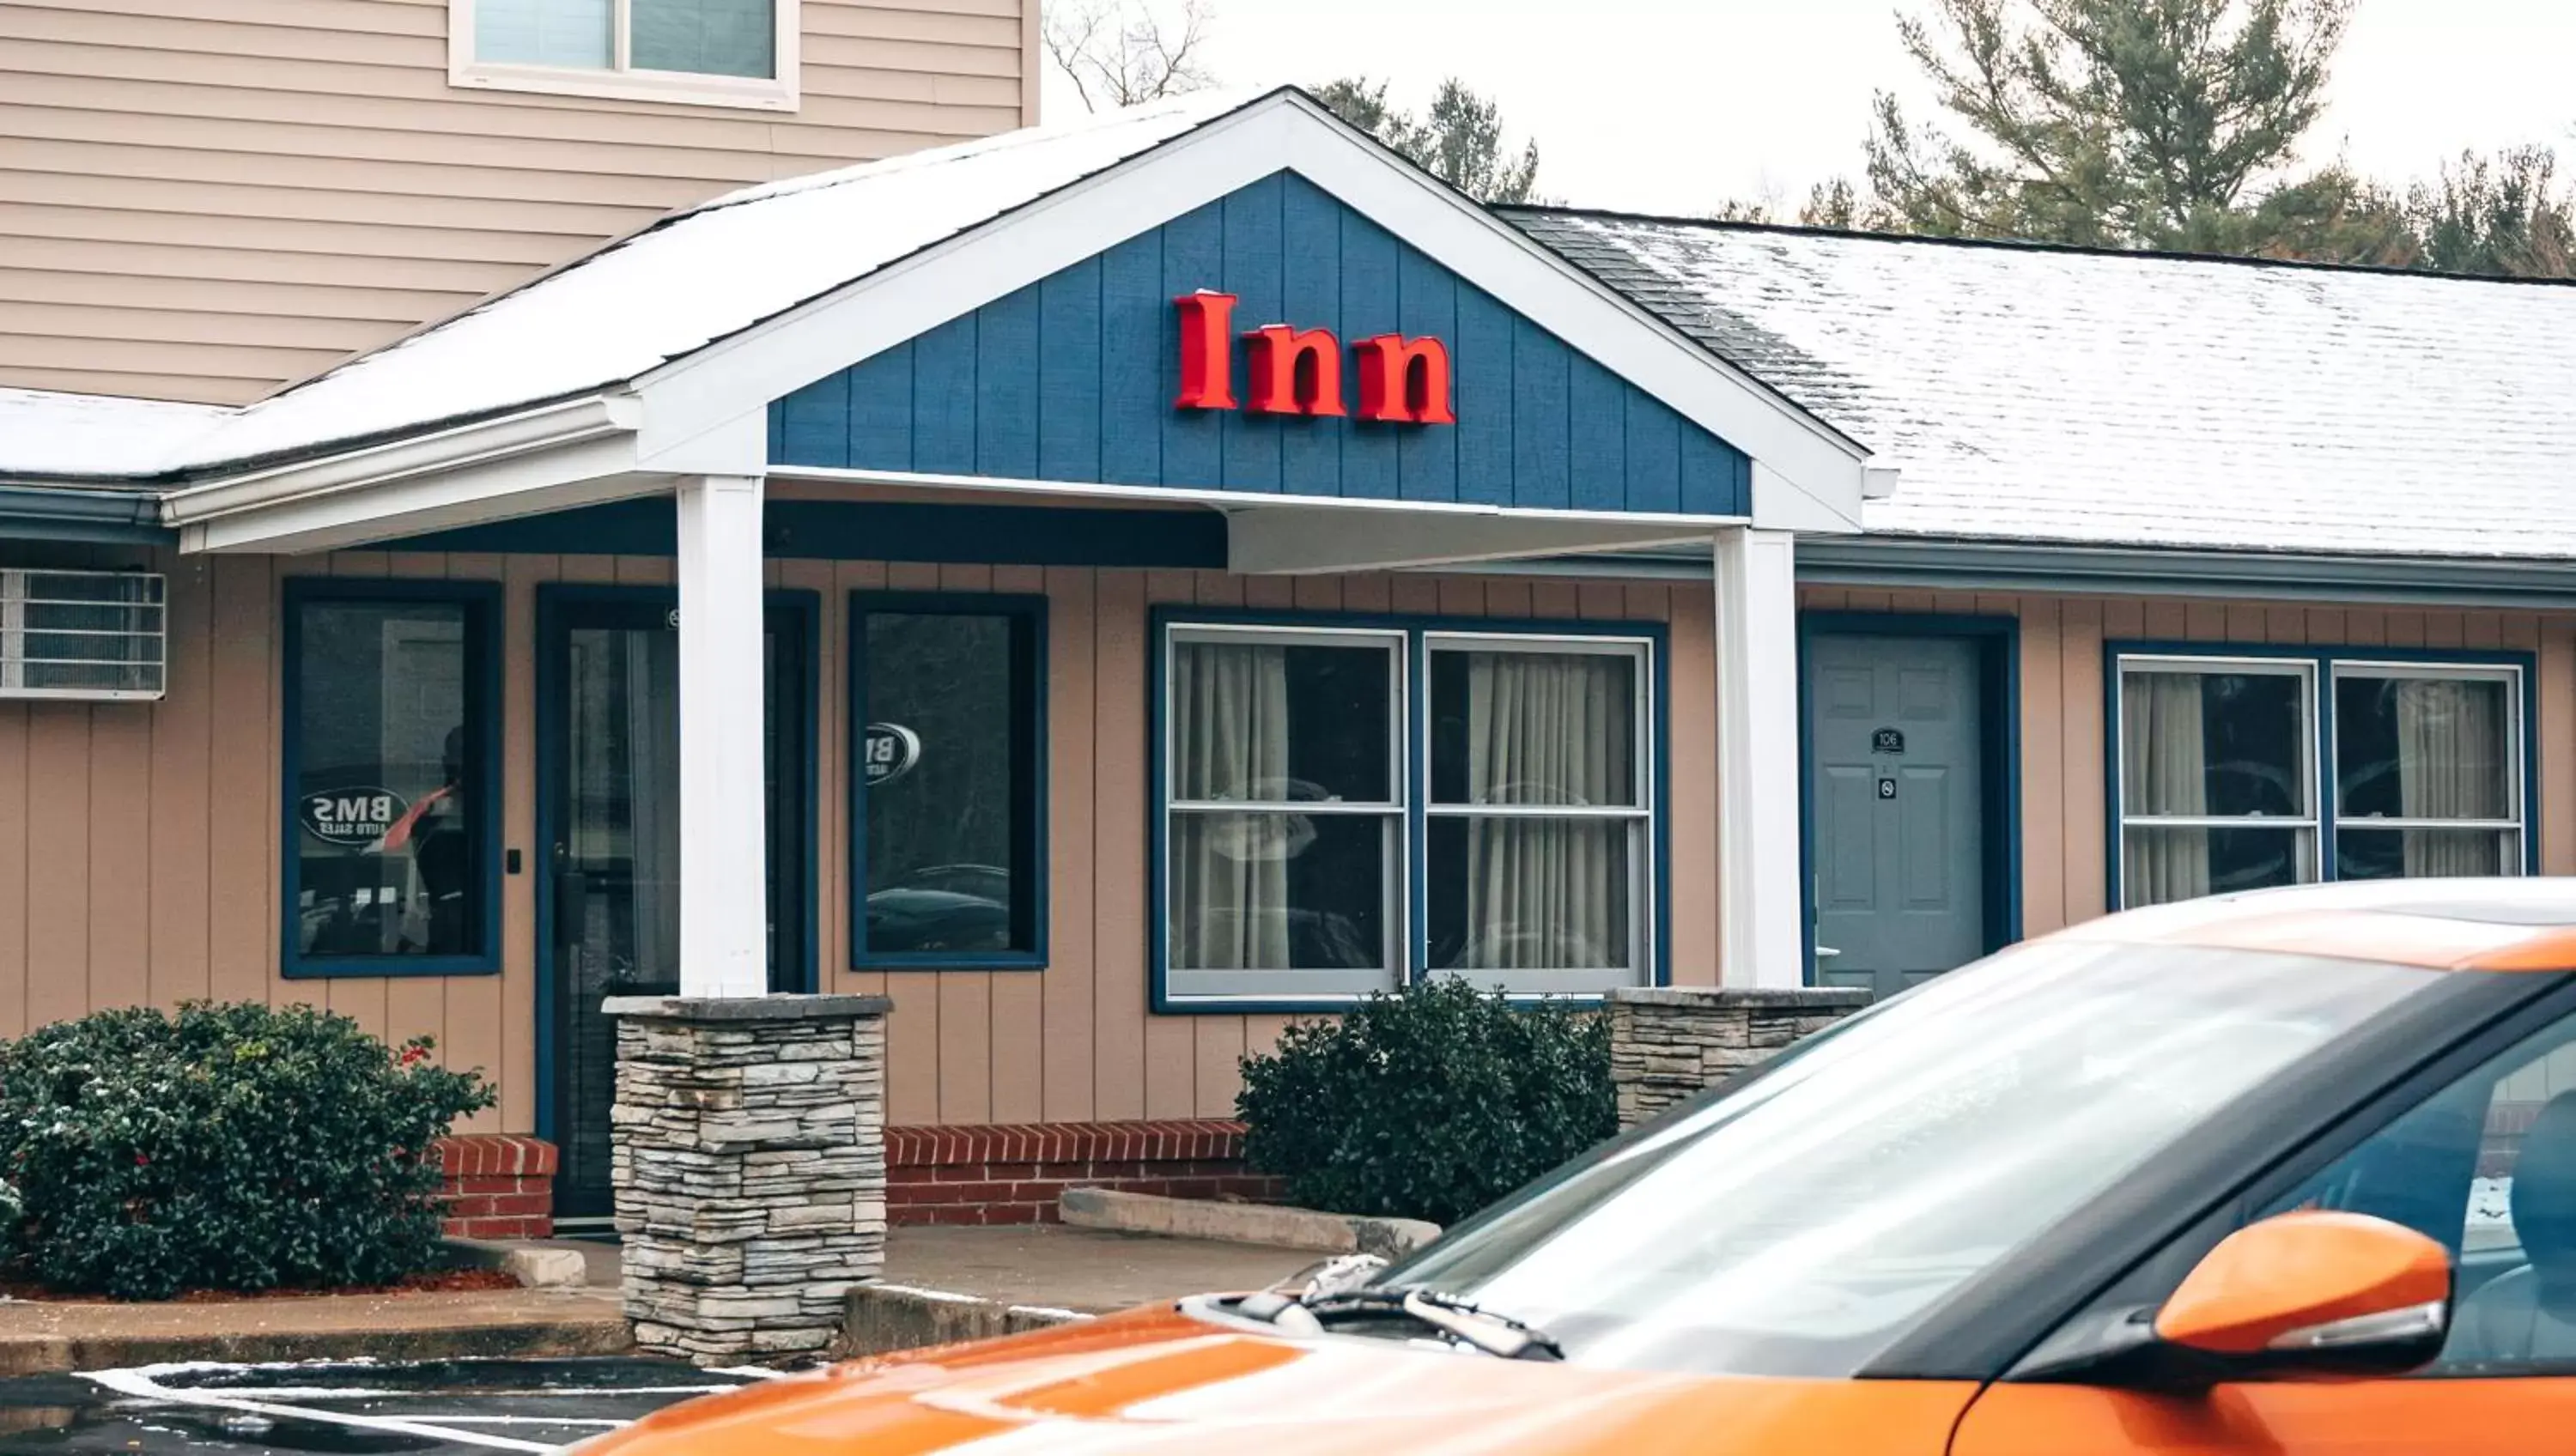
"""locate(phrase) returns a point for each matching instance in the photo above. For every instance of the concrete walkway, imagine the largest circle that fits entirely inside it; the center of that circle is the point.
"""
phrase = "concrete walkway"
(1045, 1268)
(42, 1335)
(1085, 1270)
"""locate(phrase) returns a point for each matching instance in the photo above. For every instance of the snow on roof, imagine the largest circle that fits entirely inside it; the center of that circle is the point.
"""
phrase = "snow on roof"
(700, 275)
(45, 432)
(2055, 395)
(683, 282)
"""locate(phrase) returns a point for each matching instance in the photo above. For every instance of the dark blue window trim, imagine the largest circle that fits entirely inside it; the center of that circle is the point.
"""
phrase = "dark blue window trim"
(1028, 616)
(1417, 669)
(482, 603)
(804, 609)
(2323, 659)
(1999, 707)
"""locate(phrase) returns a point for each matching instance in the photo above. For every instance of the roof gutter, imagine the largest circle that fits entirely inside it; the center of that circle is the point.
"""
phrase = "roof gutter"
(1917, 562)
(546, 427)
(1923, 564)
(118, 518)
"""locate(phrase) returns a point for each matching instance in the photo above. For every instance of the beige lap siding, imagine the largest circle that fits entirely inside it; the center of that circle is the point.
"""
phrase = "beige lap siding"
(2063, 799)
(139, 843)
(205, 200)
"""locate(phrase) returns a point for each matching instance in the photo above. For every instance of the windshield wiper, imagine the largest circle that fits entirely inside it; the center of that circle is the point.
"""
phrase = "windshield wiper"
(1462, 1320)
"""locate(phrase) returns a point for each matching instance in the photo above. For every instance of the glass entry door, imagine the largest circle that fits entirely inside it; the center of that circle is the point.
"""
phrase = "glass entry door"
(610, 864)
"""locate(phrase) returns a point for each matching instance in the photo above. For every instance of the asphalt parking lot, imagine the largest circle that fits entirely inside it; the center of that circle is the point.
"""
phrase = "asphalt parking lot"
(458, 1408)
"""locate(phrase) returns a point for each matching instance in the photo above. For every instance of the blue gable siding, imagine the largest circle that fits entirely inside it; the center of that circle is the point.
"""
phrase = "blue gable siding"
(1073, 379)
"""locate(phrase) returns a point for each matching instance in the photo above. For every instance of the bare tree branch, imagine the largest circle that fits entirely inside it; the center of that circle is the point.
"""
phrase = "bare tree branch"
(1127, 52)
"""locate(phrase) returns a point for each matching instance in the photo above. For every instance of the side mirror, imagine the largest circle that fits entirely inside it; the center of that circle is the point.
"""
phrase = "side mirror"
(2314, 1292)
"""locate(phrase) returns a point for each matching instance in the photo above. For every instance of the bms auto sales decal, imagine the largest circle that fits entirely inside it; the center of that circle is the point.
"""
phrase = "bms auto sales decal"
(353, 818)
(887, 751)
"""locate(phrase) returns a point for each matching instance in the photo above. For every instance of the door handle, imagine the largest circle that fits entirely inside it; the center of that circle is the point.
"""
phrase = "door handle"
(572, 894)
(1827, 950)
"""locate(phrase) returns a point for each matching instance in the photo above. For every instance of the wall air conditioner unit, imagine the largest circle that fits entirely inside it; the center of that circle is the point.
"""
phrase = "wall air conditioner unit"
(82, 634)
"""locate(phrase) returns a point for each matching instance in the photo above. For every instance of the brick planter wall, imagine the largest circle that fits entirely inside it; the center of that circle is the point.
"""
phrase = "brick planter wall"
(1668, 1043)
(497, 1186)
(1012, 1174)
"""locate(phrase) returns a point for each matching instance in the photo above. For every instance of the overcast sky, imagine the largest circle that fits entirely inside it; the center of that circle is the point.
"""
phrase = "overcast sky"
(1665, 106)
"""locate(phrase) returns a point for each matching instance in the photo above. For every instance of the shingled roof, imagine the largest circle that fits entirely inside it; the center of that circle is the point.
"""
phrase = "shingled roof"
(2117, 399)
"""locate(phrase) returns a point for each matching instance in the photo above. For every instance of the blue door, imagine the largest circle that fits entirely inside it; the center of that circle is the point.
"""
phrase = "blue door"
(1896, 781)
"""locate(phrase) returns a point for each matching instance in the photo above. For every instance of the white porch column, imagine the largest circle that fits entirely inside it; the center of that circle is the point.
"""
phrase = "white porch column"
(1761, 940)
(724, 915)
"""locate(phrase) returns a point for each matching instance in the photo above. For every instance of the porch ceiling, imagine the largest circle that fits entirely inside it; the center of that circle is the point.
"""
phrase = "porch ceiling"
(1304, 539)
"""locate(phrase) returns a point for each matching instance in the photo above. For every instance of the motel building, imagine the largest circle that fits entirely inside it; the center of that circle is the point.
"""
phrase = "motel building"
(1116, 588)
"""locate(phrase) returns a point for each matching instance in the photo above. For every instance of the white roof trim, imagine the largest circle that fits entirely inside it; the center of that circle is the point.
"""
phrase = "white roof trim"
(1820, 470)
(1039, 202)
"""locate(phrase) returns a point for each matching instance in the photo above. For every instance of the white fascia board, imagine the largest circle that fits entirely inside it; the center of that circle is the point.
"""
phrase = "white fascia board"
(1780, 506)
(1295, 540)
(581, 474)
(906, 299)
(1806, 454)
(1667, 525)
(736, 447)
(742, 374)
(358, 472)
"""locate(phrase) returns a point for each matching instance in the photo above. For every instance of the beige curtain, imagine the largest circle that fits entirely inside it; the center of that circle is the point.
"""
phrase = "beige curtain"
(2449, 739)
(1229, 871)
(1548, 729)
(2164, 765)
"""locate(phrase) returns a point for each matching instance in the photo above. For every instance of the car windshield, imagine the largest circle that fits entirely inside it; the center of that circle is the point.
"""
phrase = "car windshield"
(1808, 1220)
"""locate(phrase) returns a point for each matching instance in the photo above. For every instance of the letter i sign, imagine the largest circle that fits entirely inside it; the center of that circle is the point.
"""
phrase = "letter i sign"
(1299, 371)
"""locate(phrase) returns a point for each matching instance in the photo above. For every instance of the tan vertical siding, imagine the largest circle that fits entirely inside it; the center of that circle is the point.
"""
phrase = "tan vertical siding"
(58, 862)
(1170, 1043)
(1065, 1000)
(206, 201)
(13, 868)
(1117, 839)
(2044, 789)
(182, 828)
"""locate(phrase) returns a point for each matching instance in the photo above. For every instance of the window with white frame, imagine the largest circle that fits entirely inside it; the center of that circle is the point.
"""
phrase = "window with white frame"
(1302, 860)
(2238, 773)
(716, 52)
(1537, 815)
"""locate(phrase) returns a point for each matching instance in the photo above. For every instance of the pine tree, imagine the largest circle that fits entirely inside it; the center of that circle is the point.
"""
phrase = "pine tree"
(2506, 216)
(2122, 123)
(1460, 140)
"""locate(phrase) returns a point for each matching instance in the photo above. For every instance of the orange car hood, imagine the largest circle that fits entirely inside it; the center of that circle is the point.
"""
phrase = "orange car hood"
(1159, 1381)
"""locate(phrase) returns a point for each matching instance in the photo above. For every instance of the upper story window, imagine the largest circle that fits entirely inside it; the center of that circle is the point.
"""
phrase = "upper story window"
(709, 52)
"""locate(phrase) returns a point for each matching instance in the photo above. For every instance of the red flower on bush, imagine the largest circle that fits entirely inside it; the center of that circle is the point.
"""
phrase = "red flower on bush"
(412, 1055)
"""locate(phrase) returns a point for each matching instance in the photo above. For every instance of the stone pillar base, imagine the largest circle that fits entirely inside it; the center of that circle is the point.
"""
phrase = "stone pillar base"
(1670, 1043)
(749, 1168)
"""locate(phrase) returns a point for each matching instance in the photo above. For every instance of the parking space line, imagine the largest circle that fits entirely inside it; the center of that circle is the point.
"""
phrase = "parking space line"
(140, 1386)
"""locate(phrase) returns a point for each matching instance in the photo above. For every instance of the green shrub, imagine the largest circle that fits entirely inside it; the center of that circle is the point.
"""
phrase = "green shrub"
(1431, 1104)
(225, 1147)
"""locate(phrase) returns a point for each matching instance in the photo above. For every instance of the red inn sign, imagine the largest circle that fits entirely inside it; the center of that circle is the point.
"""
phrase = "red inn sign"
(1299, 371)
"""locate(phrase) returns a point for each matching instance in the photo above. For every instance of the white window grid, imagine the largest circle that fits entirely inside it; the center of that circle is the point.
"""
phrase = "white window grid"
(620, 81)
(1283, 983)
(33, 603)
(1288, 986)
(1639, 816)
(2515, 750)
(2315, 772)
